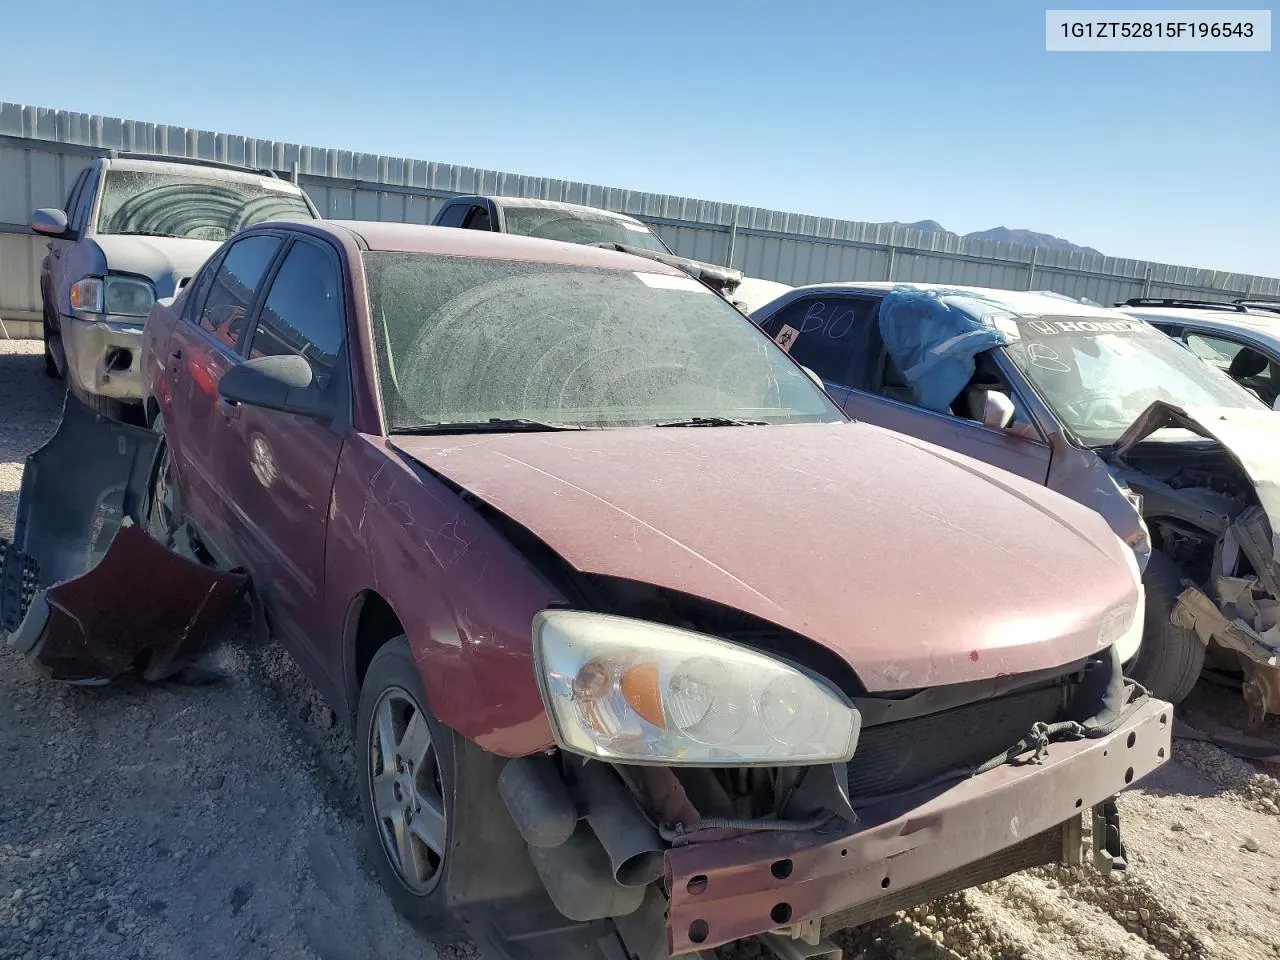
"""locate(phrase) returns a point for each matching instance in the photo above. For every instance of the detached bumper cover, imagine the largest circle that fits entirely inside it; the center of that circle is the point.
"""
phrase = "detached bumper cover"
(730, 889)
(85, 594)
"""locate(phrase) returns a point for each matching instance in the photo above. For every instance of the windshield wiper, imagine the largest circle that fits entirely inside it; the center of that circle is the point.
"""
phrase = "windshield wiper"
(712, 422)
(492, 425)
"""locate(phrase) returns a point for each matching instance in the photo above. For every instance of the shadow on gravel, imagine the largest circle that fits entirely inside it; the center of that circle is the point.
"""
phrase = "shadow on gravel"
(29, 367)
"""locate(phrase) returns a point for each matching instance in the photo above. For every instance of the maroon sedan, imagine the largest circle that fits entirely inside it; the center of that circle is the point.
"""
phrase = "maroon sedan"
(647, 646)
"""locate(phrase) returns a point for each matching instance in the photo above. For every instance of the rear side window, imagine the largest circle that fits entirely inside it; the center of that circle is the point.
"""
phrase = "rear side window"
(234, 287)
(478, 219)
(835, 337)
(303, 311)
(198, 290)
(453, 214)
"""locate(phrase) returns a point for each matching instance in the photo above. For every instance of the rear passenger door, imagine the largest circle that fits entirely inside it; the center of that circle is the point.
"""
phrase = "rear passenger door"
(279, 467)
(203, 345)
(836, 336)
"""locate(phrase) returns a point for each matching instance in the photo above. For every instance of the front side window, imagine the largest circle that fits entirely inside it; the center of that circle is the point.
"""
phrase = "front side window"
(580, 226)
(835, 337)
(302, 313)
(1098, 376)
(78, 215)
(150, 204)
(1246, 366)
(467, 340)
(234, 286)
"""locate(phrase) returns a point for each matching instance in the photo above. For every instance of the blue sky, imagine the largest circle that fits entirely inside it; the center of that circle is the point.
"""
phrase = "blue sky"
(873, 110)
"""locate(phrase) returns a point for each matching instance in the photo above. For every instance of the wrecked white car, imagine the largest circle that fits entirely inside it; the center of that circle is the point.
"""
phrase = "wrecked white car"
(1182, 462)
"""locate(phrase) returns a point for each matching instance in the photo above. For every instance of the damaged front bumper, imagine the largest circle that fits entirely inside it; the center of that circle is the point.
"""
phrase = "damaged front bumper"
(85, 594)
(908, 852)
(103, 356)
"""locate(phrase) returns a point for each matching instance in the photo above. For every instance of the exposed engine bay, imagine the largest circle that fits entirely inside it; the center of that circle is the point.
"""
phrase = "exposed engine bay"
(1212, 503)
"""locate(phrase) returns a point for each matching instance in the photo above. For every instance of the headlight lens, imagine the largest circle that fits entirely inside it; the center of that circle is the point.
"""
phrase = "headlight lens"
(129, 297)
(121, 296)
(1124, 625)
(633, 691)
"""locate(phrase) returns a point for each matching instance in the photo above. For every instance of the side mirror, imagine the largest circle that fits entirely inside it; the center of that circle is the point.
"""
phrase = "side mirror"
(814, 377)
(284, 383)
(50, 221)
(997, 410)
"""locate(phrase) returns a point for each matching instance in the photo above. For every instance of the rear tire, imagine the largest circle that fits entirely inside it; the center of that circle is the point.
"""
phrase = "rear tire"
(404, 765)
(1172, 657)
(163, 516)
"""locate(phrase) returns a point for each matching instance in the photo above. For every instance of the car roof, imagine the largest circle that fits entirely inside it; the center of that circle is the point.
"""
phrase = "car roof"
(1259, 323)
(1018, 302)
(452, 242)
(537, 204)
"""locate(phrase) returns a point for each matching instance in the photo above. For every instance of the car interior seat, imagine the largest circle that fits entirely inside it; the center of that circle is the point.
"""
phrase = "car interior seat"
(1249, 368)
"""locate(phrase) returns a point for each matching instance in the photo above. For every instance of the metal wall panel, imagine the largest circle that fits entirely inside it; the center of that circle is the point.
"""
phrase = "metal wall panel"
(41, 150)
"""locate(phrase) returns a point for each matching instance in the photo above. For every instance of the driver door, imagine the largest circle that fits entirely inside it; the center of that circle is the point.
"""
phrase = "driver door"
(278, 467)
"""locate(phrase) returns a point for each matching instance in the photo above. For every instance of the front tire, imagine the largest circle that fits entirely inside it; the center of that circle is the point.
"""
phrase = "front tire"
(1172, 657)
(404, 760)
(50, 362)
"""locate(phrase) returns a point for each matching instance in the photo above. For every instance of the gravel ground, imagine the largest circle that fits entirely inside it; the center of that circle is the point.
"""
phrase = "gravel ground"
(217, 821)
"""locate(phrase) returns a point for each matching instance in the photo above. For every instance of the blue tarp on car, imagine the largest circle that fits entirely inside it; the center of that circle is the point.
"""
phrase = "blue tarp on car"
(934, 335)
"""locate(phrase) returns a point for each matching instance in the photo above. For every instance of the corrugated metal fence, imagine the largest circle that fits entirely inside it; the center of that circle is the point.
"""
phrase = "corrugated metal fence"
(41, 150)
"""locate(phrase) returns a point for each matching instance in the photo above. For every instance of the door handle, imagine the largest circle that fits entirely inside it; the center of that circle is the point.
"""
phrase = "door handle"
(175, 355)
(230, 411)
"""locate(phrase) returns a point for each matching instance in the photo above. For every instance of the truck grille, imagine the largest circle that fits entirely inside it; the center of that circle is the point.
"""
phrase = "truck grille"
(892, 757)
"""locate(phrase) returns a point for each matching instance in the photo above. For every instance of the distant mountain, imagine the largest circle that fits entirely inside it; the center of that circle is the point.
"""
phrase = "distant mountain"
(1026, 237)
(1029, 238)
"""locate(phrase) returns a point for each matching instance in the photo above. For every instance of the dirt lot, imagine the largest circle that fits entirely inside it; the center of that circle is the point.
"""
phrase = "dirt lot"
(217, 821)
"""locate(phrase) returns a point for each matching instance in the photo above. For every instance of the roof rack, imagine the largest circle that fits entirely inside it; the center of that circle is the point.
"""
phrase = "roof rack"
(1271, 306)
(1236, 307)
(194, 161)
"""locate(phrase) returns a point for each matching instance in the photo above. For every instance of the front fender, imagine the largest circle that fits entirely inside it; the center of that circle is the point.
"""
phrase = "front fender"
(464, 596)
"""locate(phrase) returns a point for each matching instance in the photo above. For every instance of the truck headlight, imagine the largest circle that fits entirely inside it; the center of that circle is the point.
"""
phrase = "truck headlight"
(633, 691)
(128, 296)
(115, 295)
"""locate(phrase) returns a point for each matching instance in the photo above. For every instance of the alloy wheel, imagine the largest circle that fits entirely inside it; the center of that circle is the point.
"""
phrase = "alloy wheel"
(407, 796)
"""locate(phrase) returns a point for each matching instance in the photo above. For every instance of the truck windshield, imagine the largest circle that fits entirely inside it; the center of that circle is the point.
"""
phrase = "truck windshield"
(148, 203)
(573, 226)
(1099, 375)
(472, 341)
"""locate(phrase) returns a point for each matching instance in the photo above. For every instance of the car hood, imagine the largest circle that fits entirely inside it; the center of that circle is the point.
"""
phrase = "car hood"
(1250, 437)
(167, 261)
(916, 565)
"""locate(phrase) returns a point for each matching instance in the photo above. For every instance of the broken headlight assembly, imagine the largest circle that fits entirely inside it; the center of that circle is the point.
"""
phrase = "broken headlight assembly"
(632, 691)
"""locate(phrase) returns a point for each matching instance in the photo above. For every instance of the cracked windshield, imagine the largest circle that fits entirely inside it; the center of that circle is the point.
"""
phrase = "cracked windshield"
(1098, 376)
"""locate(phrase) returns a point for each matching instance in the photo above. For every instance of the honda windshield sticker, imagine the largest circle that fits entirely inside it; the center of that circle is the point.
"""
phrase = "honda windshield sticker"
(1048, 328)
